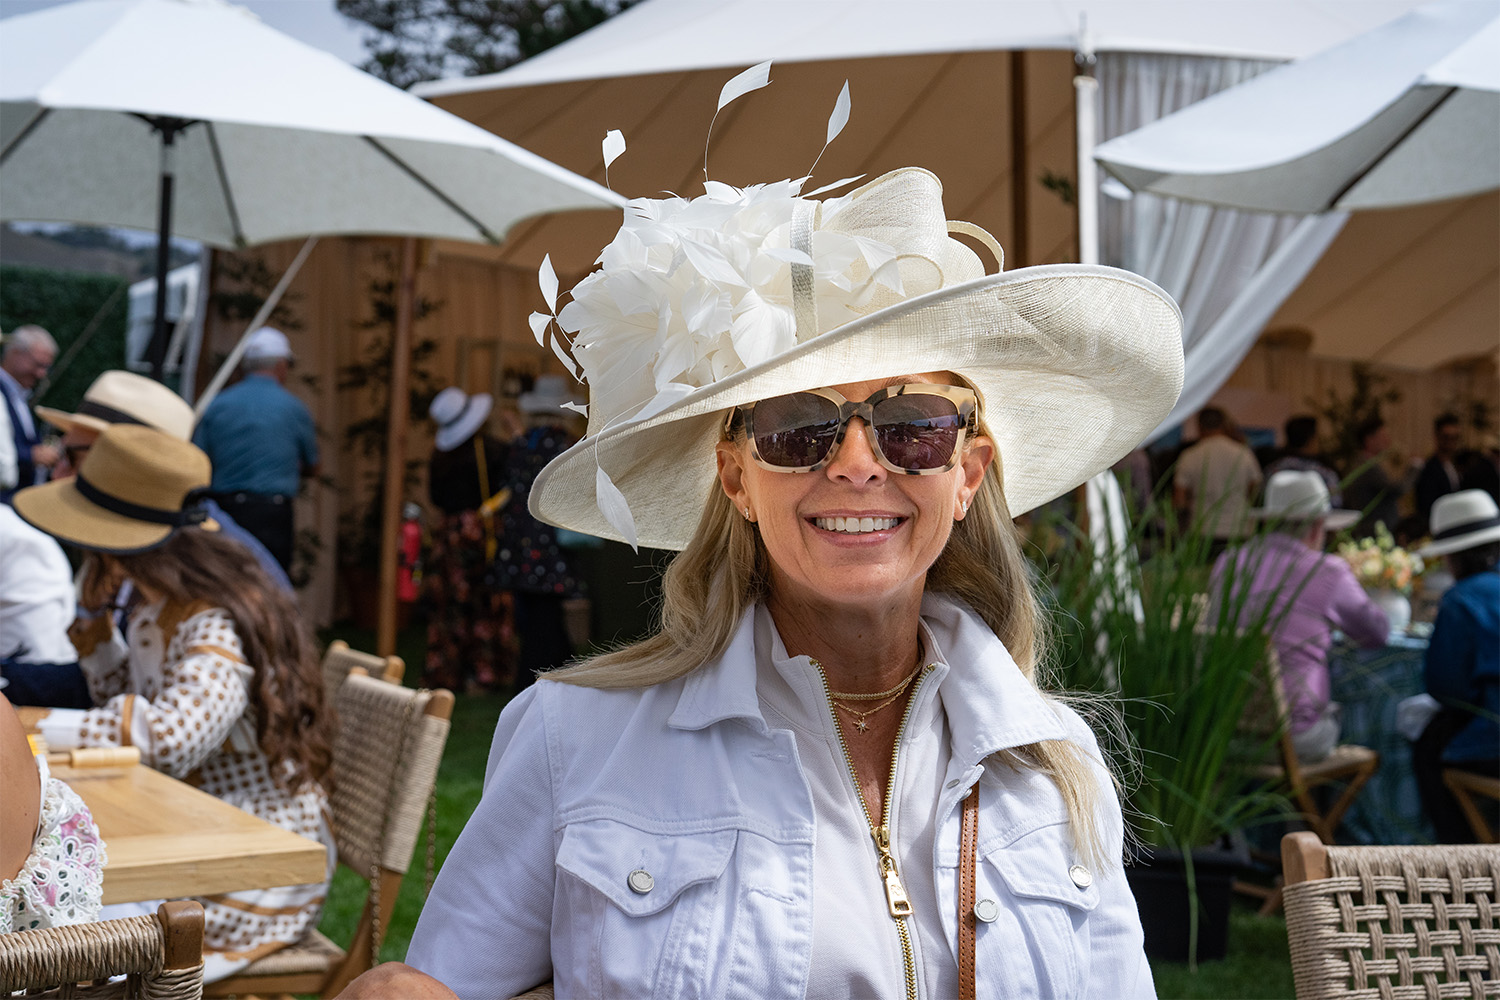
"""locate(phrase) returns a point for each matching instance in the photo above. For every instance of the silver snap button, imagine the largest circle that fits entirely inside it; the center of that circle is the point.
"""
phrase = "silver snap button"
(1081, 876)
(641, 881)
(987, 910)
(954, 783)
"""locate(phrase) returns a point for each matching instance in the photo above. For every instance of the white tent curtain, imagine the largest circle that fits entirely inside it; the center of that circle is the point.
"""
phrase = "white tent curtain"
(1229, 269)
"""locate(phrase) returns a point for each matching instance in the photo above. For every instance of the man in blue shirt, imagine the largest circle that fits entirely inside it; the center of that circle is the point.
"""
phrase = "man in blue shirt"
(1462, 669)
(261, 441)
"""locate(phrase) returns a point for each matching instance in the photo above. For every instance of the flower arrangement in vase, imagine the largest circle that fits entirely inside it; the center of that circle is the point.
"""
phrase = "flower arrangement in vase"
(1387, 571)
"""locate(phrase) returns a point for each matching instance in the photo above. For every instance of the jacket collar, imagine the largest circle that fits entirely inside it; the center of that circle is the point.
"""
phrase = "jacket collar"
(990, 706)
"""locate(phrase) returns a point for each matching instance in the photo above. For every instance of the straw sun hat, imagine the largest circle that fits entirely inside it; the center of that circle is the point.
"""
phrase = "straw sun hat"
(119, 397)
(743, 294)
(135, 487)
(1461, 521)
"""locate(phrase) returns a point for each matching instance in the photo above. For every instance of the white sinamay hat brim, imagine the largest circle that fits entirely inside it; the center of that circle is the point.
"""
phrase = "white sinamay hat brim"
(1074, 365)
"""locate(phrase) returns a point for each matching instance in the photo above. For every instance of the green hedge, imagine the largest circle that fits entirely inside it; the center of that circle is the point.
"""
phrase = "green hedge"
(65, 302)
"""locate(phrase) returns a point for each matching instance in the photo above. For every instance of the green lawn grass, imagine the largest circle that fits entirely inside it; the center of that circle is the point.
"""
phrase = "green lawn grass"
(1257, 966)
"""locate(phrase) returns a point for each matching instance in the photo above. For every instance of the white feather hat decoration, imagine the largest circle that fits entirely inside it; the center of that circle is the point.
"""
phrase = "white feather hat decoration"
(702, 304)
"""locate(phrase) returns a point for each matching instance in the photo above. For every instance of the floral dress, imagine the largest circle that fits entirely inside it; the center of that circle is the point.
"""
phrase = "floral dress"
(179, 689)
(62, 879)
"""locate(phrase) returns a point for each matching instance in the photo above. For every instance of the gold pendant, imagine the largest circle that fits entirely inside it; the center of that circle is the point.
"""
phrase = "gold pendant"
(860, 725)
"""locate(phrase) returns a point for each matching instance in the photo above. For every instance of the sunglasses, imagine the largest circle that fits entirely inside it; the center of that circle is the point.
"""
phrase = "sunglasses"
(915, 430)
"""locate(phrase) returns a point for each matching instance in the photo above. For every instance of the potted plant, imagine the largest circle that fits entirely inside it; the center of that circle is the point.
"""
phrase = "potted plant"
(1177, 657)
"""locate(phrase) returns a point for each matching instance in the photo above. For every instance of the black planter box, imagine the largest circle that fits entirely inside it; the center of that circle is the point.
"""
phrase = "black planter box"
(1159, 881)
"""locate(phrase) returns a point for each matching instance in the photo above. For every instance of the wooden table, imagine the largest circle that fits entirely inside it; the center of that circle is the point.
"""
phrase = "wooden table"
(166, 838)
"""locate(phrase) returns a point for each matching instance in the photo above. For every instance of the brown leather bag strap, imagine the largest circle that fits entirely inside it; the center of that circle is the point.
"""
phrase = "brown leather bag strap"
(968, 844)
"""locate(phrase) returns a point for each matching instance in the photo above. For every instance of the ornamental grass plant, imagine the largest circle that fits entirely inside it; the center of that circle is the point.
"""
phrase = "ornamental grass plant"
(1170, 660)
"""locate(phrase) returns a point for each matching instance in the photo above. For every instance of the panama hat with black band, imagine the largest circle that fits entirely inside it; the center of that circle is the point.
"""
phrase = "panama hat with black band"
(121, 397)
(1462, 521)
(134, 489)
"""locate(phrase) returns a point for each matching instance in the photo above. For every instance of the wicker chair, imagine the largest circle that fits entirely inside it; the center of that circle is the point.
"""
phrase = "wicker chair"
(339, 659)
(1396, 923)
(385, 762)
(161, 957)
(1349, 763)
(1465, 785)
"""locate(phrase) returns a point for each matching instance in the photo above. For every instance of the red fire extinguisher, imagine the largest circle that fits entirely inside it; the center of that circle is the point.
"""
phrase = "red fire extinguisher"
(409, 568)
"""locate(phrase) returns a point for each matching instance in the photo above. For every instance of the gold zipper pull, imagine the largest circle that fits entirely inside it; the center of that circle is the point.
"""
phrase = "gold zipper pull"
(882, 835)
(895, 895)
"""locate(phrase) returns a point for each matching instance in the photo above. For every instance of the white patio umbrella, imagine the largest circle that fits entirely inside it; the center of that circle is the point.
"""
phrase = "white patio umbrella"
(248, 135)
(1404, 114)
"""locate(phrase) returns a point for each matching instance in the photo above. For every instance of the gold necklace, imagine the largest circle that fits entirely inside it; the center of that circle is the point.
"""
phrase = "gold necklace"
(860, 717)
(855, 696)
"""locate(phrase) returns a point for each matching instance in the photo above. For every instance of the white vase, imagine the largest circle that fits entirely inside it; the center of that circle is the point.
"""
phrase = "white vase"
(1396, 607)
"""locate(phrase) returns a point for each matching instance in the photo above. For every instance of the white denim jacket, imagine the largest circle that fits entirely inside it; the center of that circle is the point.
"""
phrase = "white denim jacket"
(659, 842)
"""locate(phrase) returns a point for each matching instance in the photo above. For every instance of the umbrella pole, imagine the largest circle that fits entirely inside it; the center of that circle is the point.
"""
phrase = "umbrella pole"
(395, 456)
(166, 127)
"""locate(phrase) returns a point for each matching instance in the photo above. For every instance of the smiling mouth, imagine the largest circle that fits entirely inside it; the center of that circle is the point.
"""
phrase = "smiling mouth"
(856, 525)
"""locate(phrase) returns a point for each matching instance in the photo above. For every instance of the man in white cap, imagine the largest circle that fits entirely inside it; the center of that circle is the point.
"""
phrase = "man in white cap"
(1301, 594)
(261, 441)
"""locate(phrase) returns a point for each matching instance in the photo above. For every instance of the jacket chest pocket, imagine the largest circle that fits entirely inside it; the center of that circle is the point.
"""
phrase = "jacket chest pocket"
(1039, 936)
(633, 910)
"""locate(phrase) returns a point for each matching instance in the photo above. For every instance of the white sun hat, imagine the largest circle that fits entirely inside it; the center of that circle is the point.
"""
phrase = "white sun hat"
(550, 394)
(458, 415)
(1299, 495)
(743, 294)
(120, 397)
(1461, 521)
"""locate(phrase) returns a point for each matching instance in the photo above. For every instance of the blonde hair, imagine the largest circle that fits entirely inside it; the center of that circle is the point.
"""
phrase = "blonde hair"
(724, 570)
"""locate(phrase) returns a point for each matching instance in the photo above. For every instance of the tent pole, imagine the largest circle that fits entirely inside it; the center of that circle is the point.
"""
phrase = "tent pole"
(1020, 178)
(395, 455)
(1086, 108)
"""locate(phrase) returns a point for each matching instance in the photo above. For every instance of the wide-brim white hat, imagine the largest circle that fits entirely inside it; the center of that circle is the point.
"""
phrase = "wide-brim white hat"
(1299, 495)
(121, 397)
(1461, 521)
(458, 415)
(1074, 365)
(547, 396)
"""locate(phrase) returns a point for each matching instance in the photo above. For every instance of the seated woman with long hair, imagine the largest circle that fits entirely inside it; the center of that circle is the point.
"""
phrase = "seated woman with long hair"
(207, 667)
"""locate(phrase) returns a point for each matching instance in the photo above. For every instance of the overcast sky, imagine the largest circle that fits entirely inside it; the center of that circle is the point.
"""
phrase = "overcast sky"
(312, 21)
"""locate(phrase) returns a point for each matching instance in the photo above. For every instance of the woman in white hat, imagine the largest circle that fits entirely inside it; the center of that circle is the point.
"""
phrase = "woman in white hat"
(834, 413)
(1463, 658)
(471, 643)
(219, 681)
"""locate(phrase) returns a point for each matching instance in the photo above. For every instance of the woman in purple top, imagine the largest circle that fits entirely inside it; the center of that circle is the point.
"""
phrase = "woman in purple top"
(1310, 593)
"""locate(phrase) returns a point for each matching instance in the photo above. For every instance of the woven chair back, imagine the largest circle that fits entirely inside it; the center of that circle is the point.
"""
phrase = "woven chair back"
(387, 758)
(1405, 923)
(339, 659)
(148, 951)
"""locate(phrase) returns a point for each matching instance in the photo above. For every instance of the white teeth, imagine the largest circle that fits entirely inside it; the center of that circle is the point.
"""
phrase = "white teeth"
(856, 525)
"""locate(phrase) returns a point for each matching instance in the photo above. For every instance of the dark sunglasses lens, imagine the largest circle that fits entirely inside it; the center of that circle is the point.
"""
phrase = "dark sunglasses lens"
(795, 431)
(917, 431)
